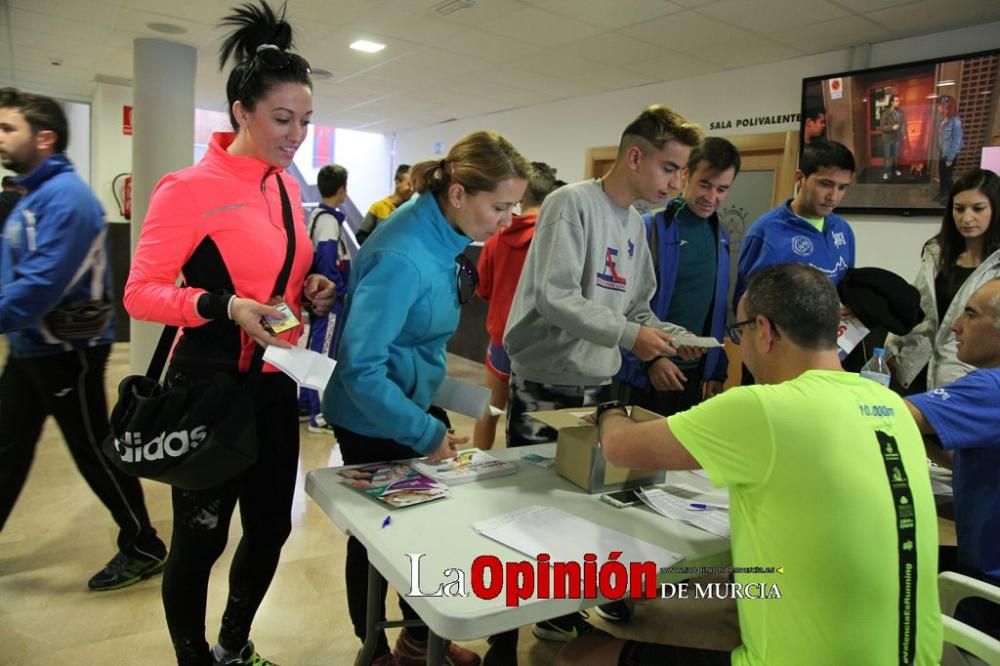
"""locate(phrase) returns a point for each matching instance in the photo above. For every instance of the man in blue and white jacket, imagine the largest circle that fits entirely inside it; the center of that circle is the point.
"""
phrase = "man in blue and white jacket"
(805, 230)
(690, 251)
(53, 253)
(331, 259)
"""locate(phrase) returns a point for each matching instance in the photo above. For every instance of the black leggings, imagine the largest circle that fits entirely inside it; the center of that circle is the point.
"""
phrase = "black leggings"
(357, 450)
(201, 527)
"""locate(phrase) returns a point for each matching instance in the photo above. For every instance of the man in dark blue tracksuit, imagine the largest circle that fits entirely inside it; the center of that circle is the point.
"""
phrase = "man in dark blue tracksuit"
(331, 259)
(690, 252)
(805, 230)
(54, 254)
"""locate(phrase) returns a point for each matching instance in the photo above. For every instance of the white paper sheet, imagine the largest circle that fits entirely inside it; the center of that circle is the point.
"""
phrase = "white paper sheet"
(462, 397)
(704, 342)
(567, 538)
(304, 366)
(850, 333)
(678, 508)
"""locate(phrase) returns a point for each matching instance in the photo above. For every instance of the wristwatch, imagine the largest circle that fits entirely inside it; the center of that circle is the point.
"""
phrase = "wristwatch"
(606, 406)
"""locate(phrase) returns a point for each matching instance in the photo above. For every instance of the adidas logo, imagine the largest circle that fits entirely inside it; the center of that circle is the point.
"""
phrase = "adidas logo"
(173, 444)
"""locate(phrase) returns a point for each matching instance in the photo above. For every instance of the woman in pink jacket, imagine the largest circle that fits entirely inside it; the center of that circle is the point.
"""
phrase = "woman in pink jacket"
(221, 224)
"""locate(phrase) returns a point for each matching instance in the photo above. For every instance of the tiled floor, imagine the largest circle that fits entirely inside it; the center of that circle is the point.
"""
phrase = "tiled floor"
(59, 535)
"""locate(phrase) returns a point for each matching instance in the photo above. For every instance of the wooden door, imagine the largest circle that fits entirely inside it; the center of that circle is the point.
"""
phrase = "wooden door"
(599, 161)
(766, 178)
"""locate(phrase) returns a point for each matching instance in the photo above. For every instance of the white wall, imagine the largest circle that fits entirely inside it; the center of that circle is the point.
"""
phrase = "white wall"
(112, 149)
(365, 155)
(561, 132)
(367, 158)
(79, 147)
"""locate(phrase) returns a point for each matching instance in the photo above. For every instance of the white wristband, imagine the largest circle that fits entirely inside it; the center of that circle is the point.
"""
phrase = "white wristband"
(229, 308)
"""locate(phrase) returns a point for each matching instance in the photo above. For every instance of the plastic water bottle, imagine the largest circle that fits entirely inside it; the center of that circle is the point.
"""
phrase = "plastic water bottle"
(876, 369)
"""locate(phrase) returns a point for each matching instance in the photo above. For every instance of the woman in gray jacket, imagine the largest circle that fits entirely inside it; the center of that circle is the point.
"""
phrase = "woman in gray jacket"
(963, 256)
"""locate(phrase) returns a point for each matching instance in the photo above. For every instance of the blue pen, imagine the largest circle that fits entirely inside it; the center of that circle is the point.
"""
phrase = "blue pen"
(707, 507)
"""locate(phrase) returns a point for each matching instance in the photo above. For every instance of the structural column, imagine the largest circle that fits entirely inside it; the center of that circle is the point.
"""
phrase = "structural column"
(162, 142)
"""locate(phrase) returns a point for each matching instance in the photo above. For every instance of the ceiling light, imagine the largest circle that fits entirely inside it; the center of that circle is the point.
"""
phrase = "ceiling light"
(166, 28)
(947, 82)
(451, 6)
(366, 46)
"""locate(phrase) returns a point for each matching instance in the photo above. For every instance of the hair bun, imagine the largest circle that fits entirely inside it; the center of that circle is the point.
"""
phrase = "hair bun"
(253, 26)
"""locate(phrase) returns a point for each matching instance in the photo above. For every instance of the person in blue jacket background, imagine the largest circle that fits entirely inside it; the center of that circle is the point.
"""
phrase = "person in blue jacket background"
(331, 259)
(690, 250)
(53, 254)
(407, 285)
(805, 230)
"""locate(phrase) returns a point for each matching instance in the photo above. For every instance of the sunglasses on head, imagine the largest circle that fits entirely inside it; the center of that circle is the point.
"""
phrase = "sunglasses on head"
(467, 278)
(270, 57)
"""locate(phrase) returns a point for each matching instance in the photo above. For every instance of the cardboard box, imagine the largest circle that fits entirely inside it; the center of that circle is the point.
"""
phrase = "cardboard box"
(580, 458)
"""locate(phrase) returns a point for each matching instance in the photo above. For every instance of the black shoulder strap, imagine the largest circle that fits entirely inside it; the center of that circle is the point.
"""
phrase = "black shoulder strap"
(286, 214)
(159, 359)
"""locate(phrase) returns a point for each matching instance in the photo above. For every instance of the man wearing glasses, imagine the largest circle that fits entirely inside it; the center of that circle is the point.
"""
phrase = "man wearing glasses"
(827, 479)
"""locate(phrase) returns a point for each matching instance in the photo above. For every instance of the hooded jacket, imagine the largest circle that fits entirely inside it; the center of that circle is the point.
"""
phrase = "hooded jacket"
(500, 266)
(220, 224)
(54, 250)
(664, 239)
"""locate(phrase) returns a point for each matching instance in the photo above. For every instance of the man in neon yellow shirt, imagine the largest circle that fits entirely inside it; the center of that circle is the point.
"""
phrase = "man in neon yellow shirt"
(827, 478)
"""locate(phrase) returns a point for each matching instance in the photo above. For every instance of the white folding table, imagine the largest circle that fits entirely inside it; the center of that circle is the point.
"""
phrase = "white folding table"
(442, 531)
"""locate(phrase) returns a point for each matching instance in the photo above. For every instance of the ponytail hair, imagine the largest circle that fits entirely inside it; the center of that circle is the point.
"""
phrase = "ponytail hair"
(478, 162)
(258, 47)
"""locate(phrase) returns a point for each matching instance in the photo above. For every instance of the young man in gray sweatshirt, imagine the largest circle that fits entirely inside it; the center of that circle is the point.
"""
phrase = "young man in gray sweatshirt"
(585, 291)
(588, 279)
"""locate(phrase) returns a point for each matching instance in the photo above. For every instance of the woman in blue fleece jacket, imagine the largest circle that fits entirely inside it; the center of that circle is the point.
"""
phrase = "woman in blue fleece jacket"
(403, 304)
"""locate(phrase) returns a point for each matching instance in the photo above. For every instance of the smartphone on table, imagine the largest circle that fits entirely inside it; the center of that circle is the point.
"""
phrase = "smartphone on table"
(622, 498)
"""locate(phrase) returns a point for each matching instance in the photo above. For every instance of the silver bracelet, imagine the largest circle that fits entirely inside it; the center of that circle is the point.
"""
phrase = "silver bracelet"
(229, 307)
